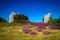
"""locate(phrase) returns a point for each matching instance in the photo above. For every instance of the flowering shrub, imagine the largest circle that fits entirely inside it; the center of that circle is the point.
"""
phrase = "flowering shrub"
(46, 32)
(32, 23)
(26, 29)
(32, 32)
(53, 26)
(35, 23)
(41, 25)
(38, 29)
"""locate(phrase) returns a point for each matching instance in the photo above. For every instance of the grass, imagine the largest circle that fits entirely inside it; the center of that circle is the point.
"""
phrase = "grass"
(16, 33)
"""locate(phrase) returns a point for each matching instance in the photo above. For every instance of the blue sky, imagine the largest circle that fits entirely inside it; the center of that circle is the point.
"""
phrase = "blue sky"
(34, 9)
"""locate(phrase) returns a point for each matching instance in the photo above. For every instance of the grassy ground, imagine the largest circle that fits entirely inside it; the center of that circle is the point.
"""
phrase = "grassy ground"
(16, 33)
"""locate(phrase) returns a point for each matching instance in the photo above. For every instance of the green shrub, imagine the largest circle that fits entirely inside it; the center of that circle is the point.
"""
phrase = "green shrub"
(19, 17)
(2, 20)
(55, 21)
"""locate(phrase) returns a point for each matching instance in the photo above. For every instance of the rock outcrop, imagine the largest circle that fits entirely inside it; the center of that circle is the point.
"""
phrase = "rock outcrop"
(46, 17)
(12, 17)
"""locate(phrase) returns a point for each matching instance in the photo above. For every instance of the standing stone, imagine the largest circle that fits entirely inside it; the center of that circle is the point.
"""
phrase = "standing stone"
(12, 17)
(47, 18)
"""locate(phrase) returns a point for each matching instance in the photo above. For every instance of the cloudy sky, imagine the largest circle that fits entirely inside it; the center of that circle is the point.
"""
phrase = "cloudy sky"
(34, 9)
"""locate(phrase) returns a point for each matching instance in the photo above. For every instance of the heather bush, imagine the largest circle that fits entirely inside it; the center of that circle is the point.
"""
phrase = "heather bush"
(26, 29)
(32, 32)
(53, 26)
(38, 29)
(31, 23)
(42, 25)
(46, 32)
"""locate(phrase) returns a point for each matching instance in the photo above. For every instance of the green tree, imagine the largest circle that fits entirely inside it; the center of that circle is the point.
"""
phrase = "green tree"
(19, 17)
(50, 21)
(55, 21)
(2, 20)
